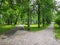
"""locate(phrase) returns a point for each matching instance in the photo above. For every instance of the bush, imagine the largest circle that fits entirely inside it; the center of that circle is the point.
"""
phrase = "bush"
(57, 21)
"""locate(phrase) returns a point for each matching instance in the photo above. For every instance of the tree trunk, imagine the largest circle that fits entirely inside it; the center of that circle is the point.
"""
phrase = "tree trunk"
(28, 19)
(43, 16)
(43, 21)
(38, 16)
(9, 21)
(16, 20)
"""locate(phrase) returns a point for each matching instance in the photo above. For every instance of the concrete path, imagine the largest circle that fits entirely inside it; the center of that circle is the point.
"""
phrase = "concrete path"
(44, 37)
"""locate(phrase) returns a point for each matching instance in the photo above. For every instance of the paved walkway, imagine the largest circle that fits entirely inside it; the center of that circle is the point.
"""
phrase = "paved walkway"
(44, 37)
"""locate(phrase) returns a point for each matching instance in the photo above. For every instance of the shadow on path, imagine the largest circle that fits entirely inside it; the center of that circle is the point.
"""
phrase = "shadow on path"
(44, 37)
(14, 30)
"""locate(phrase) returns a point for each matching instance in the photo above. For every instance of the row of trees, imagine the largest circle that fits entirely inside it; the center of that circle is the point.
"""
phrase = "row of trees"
(57, 14)
(26, 12)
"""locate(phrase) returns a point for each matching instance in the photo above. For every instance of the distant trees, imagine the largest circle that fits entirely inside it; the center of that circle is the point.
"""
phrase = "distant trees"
(26, 12)
(45, 11)
(48, 11)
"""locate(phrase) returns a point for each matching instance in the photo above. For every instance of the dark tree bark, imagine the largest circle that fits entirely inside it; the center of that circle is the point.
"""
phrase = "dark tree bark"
(43, 21)
(38, 15)
(43, 17)
(16, 20)
(28, 19)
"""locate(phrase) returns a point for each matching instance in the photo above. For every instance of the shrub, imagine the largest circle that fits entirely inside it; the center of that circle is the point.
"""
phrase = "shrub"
(57, 21)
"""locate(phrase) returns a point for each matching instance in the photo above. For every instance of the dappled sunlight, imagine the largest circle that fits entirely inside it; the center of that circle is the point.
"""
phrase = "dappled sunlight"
(7, 26)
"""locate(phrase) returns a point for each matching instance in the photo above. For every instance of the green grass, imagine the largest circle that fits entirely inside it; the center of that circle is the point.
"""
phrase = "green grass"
(35, 28)
(5, 28)
(57, 31)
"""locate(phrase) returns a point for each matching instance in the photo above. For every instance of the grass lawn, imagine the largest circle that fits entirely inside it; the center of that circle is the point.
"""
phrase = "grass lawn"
(34, 27)
(57, 31)
(5, 28)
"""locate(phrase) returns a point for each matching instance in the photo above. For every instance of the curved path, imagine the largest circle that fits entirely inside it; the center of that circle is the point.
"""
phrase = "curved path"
(44, 37)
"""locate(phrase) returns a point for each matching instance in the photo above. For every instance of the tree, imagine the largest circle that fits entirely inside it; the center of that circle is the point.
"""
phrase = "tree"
(38, 3)
(28, 14)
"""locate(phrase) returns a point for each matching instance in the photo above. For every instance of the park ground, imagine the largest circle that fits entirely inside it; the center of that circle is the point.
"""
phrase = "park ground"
(21, 37)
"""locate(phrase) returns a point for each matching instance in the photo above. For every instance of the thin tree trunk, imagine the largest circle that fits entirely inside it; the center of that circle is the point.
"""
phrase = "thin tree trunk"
(43, 19)
(38, 16)
(16, 20)
(28, 19)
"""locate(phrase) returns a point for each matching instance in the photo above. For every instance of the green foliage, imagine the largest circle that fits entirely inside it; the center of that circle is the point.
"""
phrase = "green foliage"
(58, 20)
(58, 12)
(22, 12)
(57, 31)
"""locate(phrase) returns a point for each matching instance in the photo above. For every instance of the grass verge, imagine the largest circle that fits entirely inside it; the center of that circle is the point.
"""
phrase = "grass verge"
(35, 28)
(57, 31)
(5, 28)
